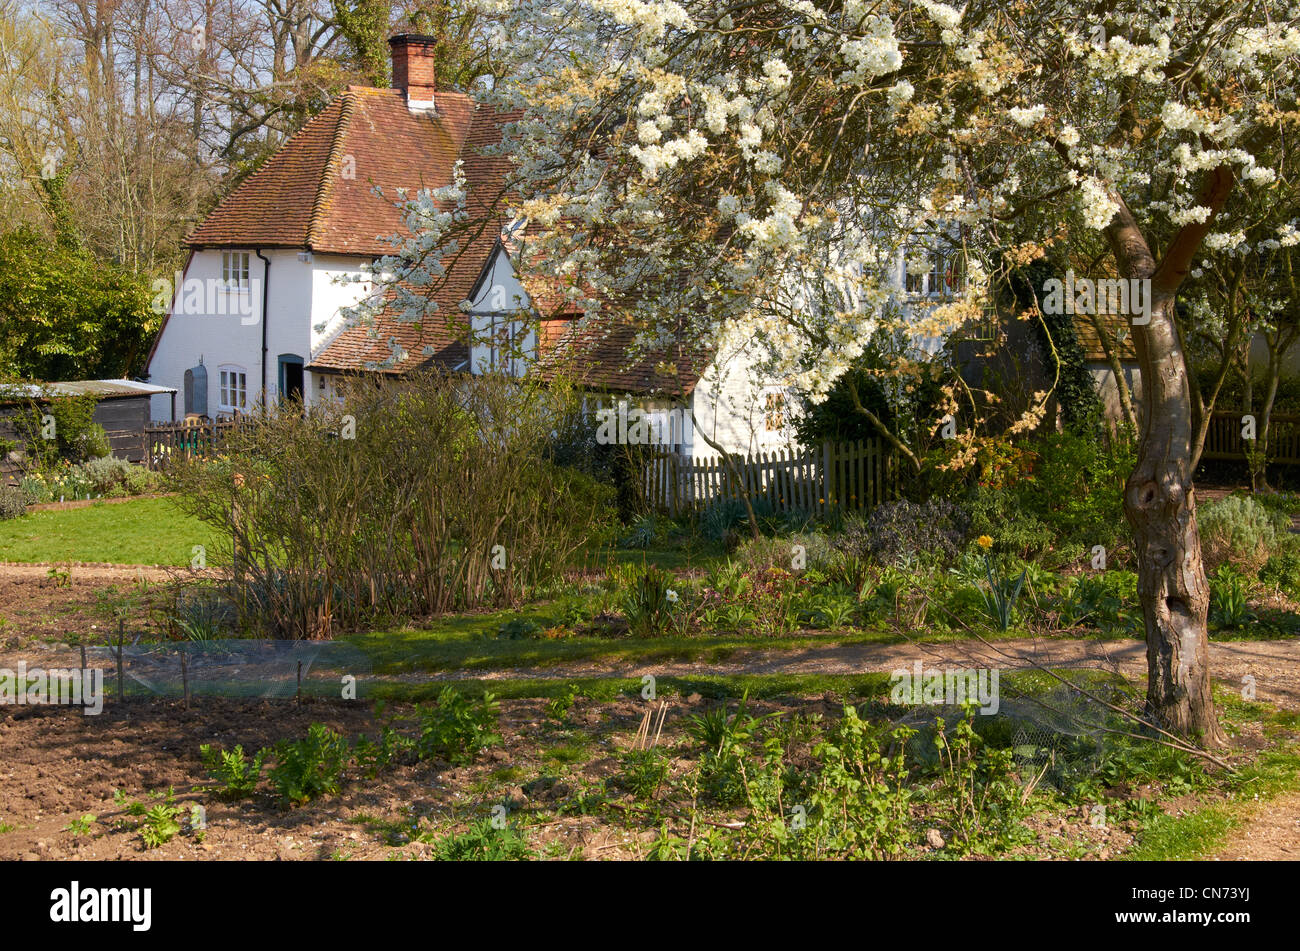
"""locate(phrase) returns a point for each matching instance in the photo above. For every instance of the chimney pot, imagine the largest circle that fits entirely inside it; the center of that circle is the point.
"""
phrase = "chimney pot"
(413, 69)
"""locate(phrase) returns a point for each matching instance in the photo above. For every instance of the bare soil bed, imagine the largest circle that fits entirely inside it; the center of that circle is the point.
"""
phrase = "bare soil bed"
(61, 766)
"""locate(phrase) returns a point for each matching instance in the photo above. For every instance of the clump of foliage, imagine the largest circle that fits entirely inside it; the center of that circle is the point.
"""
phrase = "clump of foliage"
(456, 728)
(309, 768)
(13, 503)
(236, 774)
(483, 842)
(67, 315)
(837, 419)
(519, 628)
(1106, 601)
(1238, 529)
(644, 772)
(416, 497)
(902, 532)
(648, 601)
(1282, 571)
(1230, 598)
(75, 436)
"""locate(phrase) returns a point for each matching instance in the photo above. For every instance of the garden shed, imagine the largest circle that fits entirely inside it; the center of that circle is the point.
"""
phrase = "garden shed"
(122, 408)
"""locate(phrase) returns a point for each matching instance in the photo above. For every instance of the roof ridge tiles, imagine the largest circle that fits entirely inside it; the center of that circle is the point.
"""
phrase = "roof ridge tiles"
(333, 168)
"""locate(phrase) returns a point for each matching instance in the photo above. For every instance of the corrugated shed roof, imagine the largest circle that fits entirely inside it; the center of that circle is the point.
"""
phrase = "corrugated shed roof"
(102, 389)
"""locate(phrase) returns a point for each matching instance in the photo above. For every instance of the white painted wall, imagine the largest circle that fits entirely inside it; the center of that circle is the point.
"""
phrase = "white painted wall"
(224, 328)
(500, 296)
(730, 407)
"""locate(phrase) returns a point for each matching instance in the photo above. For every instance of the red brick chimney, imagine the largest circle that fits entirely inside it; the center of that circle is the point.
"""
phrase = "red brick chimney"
(413, 71)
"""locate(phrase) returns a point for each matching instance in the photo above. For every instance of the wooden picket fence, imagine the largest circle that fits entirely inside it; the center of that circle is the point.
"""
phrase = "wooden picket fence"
(164, 441)
(847, 476)
(1223, 438)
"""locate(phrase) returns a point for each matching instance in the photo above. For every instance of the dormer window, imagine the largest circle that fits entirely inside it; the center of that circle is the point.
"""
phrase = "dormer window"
(234, 270)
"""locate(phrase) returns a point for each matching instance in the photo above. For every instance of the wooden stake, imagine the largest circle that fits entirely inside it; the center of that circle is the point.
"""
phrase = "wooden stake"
(121, 635)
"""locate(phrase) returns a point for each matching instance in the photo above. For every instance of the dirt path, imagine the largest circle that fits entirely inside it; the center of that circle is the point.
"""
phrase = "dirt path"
(1273, 665)
(1271, 832)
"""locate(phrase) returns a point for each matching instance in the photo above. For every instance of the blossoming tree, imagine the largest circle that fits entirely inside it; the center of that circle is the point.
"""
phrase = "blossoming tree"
(754, 170)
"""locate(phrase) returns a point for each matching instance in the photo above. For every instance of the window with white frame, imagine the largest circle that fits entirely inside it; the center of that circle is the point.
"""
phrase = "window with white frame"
(234, 270)
(232, 389)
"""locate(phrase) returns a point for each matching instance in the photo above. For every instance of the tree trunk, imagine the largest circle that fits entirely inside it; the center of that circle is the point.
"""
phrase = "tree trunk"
(1159, 500)
(1160, 503)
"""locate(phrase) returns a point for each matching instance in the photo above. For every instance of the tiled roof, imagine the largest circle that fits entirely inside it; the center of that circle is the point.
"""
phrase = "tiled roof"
(440, 340)
(317, 191)
(596, 356)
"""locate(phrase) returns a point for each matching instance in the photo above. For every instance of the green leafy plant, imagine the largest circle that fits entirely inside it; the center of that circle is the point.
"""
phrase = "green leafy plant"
(483, 842)
(82, 826)
(13, 502)
(456, 728)
(311, 767)
(519, 628)
(1238, 529)
(237, 775)
(1282, 571)
(1229, 598)
(558, 707)
(649, 601)
(1002, 593)
(644, 772)
(160, 825)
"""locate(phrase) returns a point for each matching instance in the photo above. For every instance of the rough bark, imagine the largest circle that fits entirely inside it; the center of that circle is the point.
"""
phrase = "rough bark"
(1159, 499)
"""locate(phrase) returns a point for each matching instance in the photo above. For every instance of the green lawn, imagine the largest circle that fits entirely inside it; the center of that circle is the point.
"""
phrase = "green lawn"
(139, 532)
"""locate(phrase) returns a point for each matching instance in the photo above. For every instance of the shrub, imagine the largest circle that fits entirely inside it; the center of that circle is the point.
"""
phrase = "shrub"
(443, 501)
(779, 552)
(648, 601)
(1077, 486)
(998, 513)
(1282, 571)
(901, 532)
(141, 481)
(456, 728)
(1238, 529)
(106, 473)
(77, 437)
(13, 502)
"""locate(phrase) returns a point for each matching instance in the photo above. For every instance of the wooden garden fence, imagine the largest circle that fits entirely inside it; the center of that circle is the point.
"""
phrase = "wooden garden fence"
(1223, 438)
(163, 441)
(847, 476)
